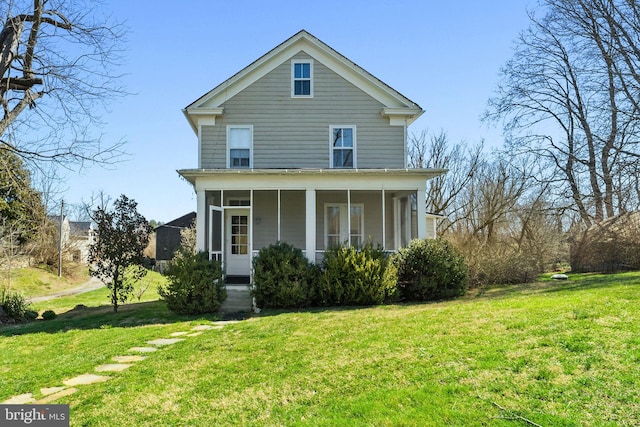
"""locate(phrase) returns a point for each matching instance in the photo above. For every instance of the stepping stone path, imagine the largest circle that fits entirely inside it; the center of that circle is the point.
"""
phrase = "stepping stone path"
(58, 395)
(113, 367)
(143, 349)
(127, 359)
(21, 398)
(51, 394)
(50, 390)
(165, 341)
(85, 379)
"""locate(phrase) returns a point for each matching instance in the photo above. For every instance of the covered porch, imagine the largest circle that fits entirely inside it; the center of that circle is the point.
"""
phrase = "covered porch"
(241, 212)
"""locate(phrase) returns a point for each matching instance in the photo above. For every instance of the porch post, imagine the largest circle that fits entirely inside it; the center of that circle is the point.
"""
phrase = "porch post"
(279, 216)
(384, 224)
(201, 220)
(310, 234)
(348, 217)
(421, 213)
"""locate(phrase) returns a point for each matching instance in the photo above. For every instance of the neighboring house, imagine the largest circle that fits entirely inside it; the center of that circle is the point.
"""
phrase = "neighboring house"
(432, 224)
(77, 237)
(304, 146)
(168, 237)
(81, 237)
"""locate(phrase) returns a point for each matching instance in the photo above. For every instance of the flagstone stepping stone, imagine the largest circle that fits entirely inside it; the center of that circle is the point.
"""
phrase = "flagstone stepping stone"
(51, 390)
(58, 395)
(20, 399)
(194, 334)
(113, 367)
(202, 328)
(226, 322)
(143, 349)
(128, 359)
(85, 379)
(178, 334)
(165, 341)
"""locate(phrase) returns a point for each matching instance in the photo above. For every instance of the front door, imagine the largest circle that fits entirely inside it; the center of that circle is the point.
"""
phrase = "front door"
(237, 257)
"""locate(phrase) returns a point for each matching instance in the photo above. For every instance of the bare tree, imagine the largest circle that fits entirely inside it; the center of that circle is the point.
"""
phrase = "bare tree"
(443, 192)
(569, 97)
(58, 63)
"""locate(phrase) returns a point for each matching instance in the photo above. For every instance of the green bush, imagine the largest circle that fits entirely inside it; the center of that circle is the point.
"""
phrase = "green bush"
(49, 315)
(13, 303)
(283, 277)
(195, 284)
(431, 270)
(30, 315)
(353, 276)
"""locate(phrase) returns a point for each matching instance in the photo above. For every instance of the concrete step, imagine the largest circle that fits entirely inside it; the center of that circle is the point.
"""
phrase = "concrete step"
(238, 299)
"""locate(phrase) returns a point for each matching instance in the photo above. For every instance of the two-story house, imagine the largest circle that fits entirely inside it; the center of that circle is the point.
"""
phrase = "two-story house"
(306, 147)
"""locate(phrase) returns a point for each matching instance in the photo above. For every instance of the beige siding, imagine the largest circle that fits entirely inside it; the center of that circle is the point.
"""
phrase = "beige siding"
(294, 132)
(214, 148)
(265, 218)
(293, 218)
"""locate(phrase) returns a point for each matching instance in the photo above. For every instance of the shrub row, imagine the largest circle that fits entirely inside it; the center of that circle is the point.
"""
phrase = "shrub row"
(423, 271)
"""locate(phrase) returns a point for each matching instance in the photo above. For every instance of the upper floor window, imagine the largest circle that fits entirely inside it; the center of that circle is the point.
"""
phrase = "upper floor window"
(343, 145)
(239, 146)
(302, 79)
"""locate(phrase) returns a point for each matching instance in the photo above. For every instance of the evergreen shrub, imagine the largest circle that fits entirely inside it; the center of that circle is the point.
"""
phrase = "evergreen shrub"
(430, 270)
(283, 277)
(356, 276)
(195, 285)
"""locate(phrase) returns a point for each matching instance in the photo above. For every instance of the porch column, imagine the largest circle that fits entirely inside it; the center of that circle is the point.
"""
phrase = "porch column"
(201, 220)
(421, 213)
(384, 224)
(310, 234)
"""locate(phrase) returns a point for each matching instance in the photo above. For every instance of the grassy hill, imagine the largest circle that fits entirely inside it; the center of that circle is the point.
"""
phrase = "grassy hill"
(552, 353)
(43, 280)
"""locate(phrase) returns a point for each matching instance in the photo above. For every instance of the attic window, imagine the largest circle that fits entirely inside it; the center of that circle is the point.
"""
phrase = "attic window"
(302, 79)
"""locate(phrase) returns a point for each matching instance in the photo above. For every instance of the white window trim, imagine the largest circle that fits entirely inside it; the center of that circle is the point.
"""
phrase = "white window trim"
(345, 222)
(250, 127)
(293, 79)
(355, 138)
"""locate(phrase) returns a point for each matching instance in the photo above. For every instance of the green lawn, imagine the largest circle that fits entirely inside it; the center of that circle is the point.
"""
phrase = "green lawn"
(100, 297)
(43, 280)
(555, 353)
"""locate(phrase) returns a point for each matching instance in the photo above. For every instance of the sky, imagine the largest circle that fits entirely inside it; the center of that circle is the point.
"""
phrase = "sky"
(443, 55)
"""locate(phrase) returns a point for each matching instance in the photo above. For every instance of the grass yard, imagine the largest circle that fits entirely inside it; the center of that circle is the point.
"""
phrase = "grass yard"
(43, 280)
(554, 353)
(99, 299)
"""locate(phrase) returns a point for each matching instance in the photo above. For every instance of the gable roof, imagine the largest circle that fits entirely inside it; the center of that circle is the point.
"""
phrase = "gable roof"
(80, 228)
(211, 104)
(183, 222)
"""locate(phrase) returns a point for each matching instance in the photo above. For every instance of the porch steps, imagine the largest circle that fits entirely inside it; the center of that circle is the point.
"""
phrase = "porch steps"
(238, 299)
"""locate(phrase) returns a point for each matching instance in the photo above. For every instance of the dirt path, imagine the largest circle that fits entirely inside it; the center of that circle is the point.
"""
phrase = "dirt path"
(91, 285)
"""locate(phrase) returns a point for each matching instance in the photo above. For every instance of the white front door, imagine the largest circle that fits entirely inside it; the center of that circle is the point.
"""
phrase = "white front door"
(237, 257)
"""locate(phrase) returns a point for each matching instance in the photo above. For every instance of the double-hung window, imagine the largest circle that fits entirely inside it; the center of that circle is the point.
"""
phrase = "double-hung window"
(343, 146)
(302, 79)
(239, 146)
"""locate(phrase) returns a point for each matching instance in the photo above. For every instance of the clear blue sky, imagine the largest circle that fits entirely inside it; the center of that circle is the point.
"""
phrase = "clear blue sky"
(444, 55)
